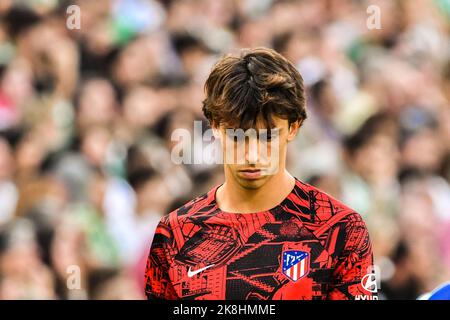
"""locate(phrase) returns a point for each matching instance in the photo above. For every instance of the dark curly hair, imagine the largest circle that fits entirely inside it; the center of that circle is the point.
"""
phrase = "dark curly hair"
(258, 84)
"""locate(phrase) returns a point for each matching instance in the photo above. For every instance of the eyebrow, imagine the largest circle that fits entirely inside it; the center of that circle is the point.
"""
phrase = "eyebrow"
(277, 132)
(279, 129)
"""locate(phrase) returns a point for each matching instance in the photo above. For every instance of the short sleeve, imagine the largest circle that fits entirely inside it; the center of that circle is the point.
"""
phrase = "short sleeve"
(157, 281)
(354, 264)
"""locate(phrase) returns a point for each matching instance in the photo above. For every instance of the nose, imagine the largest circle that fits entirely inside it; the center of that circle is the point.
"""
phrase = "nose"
(252, 150)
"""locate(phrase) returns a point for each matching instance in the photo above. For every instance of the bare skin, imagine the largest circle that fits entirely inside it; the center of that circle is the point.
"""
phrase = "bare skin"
(252, 187)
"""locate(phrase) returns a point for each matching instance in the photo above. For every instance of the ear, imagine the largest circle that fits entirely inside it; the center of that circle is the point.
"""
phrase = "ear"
(293, 130)
(216, 130)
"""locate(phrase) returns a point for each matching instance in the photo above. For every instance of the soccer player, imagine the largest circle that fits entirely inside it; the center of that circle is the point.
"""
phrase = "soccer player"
(262, 234)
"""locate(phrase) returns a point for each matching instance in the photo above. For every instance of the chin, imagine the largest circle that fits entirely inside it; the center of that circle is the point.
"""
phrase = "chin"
(252, 184)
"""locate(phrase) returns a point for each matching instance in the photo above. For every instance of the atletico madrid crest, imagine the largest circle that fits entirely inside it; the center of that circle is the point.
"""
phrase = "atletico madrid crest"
(295, 264)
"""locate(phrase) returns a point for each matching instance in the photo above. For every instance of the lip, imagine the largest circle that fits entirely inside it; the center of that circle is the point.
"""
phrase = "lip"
(250, 173)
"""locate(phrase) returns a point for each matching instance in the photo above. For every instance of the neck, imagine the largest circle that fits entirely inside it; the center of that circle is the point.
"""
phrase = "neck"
(231, 197)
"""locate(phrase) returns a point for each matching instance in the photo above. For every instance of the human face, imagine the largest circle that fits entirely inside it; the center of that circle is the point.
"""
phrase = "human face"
(259, 156)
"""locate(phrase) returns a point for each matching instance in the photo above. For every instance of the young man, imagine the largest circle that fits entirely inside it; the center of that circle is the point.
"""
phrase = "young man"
(262, 234)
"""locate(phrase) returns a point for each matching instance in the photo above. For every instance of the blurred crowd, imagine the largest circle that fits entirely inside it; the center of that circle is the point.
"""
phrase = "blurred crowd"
(86, 117)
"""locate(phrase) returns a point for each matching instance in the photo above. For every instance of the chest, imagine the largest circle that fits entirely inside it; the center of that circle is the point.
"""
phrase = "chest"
(274, 260)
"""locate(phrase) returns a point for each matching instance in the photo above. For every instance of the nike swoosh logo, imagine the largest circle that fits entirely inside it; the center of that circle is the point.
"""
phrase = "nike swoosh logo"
(193, 273)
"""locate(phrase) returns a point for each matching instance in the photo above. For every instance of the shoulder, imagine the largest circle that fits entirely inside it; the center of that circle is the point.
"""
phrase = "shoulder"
(339, 228)
(176, 227)
(201, 205)
(324, 210)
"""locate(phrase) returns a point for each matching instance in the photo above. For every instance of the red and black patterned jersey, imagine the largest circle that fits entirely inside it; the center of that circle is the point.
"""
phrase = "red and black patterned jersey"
(310, 246)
